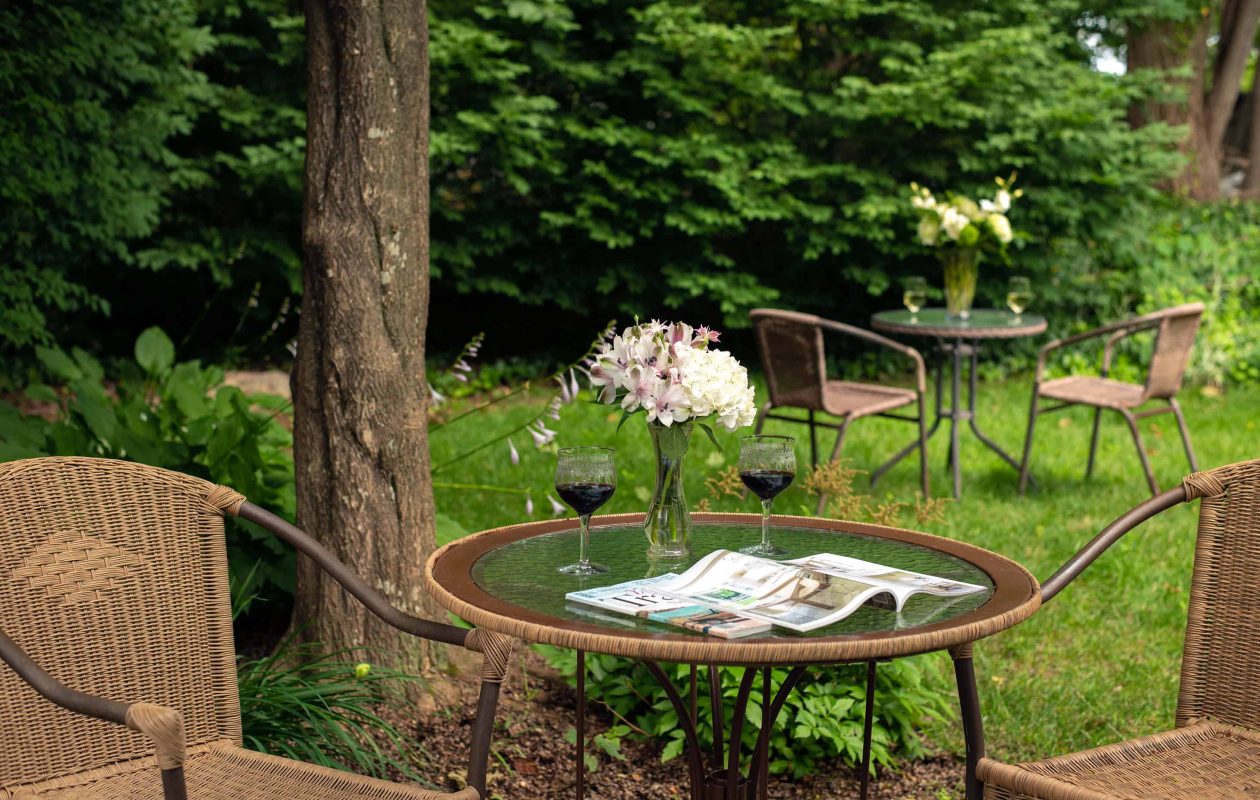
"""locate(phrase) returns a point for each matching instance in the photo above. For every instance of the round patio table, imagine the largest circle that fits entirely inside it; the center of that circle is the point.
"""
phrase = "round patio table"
(506, 580)
(956, 339)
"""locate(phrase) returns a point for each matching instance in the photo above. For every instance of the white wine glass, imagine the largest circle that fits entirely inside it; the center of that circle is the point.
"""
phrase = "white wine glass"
(1018, 295)
(914, 295)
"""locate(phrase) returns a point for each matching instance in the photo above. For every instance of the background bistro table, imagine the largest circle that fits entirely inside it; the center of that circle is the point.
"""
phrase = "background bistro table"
(505, 580)
(956, 339)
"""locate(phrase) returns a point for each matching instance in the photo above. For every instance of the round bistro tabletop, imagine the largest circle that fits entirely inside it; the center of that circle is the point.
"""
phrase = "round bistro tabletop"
(984, 323)
(506, 580)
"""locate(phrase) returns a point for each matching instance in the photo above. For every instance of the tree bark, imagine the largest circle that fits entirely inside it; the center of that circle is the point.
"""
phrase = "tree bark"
(1251, 183)
(1173, 45)
(360, 395)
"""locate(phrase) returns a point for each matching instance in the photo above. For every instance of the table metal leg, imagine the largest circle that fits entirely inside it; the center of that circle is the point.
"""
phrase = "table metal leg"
(580, 783)
(971, 409)
(761, 767)
(973, 725)
(955, 460)
(868, 725)
(915, 445)
(719, 717)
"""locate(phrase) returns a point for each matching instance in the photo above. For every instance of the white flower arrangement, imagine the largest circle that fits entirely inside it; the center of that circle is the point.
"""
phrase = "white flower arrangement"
(965, 222)
(668, 371)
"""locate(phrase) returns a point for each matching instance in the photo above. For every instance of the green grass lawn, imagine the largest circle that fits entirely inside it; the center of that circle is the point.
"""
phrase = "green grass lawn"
(1099, 663)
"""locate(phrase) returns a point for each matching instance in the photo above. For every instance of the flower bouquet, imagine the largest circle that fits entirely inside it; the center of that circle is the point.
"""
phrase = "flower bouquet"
(669, 372)
(963, 230)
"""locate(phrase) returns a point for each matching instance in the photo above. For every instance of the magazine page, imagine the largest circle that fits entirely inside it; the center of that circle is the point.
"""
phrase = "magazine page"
(639, 598)
(901, 583)
(788, 595)
(644, 598)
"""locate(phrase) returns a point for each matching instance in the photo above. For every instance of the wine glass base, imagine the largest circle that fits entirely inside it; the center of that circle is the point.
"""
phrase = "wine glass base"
(582, 569)
(765, 551)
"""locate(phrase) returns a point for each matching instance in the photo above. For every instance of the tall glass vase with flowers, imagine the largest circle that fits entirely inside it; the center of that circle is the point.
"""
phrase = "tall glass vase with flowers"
(963, 232)
(670, 373)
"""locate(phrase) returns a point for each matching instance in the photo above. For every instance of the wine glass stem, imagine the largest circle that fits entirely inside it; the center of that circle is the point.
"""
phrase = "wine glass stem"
(765, 523)
(583, 556)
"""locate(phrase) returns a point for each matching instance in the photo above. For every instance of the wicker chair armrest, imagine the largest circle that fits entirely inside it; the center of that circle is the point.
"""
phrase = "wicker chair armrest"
(496, 649)
(1109, 535)
(373, 600)
(920, 369)
(1117, 331)
(163, 726)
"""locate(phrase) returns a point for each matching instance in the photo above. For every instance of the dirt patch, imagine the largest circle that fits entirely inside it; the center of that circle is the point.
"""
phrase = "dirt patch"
(532, 760)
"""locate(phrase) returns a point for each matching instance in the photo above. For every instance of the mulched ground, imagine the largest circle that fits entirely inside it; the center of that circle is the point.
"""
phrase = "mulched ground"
(531, 759)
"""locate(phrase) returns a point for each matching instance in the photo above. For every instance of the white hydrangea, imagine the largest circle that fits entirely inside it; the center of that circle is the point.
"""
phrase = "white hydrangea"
(714, 382)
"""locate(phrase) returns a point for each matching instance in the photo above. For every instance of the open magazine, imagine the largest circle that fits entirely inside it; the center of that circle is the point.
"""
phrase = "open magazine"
(730, 594)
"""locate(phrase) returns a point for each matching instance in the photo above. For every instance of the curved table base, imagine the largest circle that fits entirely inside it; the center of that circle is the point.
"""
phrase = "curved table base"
(727, 781)
(955, 352)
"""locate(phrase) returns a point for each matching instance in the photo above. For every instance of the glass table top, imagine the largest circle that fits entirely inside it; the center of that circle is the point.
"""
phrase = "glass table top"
(523, 573)
(981, 319)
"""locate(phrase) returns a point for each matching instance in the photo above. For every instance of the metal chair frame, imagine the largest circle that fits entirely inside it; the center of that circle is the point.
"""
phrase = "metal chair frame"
(811, 419)
(1114, 332)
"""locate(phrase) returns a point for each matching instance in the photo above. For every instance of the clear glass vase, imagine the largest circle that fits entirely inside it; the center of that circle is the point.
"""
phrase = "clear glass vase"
(668, 522)
(962, 266)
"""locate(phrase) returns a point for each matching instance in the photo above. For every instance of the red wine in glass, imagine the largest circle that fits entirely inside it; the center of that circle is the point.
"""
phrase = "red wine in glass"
(585, 497)
(767, 483)
(767, 465)
(585, 478)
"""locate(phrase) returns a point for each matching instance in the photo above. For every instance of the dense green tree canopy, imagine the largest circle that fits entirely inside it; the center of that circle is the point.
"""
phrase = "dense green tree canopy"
(590, 159)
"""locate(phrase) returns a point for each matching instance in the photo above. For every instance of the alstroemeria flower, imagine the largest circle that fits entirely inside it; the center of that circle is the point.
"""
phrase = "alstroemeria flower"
(668, 404)
(640, 383)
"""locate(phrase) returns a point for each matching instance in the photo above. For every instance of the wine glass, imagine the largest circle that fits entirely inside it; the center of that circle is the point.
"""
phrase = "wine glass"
(585, 478)
(767, 465)
(1018, 295)
(914, 295)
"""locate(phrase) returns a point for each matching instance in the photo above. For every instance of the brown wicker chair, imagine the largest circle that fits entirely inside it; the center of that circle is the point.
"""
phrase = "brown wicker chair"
(791, 347)
(1214, 751)
(1175, 329)
(114, 607)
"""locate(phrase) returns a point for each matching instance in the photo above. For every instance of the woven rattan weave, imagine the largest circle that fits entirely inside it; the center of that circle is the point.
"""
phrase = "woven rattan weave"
(114, 603)
(1214, 752)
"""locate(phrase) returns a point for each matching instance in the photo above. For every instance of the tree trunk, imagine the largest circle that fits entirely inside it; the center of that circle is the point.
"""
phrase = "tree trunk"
(1170, 45)
(359, 389)
(1251, 184)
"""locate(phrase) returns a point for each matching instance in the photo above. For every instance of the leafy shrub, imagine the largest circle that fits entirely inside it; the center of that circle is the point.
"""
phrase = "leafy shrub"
(320, 707)
(178, 416)
(821, 720)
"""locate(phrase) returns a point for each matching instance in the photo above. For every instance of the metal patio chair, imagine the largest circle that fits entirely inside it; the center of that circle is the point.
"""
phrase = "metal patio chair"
(1175, 329)
(1213, 753)
(114, 607)
(791, 347)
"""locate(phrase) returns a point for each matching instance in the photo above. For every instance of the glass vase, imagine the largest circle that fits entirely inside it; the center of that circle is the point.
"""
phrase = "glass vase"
(668, 522)
(962, 265)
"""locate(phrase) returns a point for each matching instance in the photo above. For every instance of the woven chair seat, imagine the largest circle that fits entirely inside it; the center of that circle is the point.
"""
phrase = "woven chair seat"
(221, 771)
(1092, 391)
(846, 398)
(1206, 761)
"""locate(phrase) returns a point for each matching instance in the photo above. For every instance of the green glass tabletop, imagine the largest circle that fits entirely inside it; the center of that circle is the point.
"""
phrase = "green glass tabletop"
(983, 323)
(523, 573)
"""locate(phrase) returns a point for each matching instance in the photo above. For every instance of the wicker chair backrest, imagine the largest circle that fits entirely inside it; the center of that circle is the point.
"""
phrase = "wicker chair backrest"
(791, 348)
(1221, 666)
(113, 577)
(1171, 351)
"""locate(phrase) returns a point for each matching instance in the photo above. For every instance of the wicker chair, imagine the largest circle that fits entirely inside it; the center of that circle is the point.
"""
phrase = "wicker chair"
(1214, 751)
(1175, 329)
(114, 607)
(791, 347)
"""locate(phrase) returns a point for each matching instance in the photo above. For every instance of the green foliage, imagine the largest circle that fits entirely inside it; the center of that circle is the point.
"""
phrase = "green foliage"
(173, 415)
(91, 93)
(616, 158)
(1207, 253)
(320, 708)
(821, 720)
